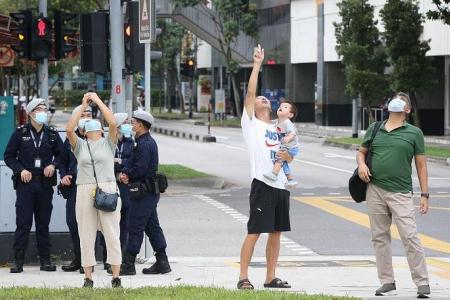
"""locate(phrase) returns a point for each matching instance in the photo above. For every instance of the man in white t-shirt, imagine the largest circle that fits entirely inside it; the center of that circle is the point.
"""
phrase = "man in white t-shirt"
(269, 200)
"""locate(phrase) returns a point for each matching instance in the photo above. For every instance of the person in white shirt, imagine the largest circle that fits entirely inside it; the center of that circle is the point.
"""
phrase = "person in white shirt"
(269, 200)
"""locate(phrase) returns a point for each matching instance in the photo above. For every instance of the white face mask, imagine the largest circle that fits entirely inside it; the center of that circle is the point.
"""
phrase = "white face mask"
(396, 105)
(81, 123)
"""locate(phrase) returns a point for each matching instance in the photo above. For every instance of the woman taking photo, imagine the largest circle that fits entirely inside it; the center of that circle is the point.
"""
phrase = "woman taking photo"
(100, 151)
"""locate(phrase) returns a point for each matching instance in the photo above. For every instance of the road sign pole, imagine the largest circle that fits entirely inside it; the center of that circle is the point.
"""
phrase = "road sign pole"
(117, 55)
(43, 64)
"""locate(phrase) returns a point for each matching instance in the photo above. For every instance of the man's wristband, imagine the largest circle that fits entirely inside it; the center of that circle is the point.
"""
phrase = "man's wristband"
(426, 195)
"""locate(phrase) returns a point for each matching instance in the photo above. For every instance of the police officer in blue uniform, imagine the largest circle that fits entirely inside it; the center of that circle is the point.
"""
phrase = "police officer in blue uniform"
(68, 174)
(139, 173)
(32, 153)
(124, 150)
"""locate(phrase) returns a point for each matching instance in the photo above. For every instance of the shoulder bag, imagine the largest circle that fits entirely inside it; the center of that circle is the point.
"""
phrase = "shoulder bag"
(356, 186)
(102, 200)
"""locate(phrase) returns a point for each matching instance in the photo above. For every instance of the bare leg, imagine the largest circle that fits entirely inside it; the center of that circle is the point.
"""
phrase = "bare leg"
(246, 254)
(87, 272)
(115, 270)
(272, 253)
(277, 167)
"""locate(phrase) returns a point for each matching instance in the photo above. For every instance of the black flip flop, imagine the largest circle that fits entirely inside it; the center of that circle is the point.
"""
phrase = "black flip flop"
(245, 284)
(277, 283)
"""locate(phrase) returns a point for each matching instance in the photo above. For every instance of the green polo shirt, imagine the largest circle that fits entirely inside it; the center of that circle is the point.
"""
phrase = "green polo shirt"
(392, 154)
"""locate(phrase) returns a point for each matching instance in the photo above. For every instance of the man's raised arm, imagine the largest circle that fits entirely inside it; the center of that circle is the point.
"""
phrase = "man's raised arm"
(250, 98)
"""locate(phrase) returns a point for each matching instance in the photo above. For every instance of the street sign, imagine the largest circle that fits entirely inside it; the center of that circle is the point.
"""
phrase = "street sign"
(6, 57)
(147, 21)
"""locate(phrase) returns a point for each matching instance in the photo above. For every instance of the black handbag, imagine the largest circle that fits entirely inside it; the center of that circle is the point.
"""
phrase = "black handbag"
(102, 200)
(356, 186)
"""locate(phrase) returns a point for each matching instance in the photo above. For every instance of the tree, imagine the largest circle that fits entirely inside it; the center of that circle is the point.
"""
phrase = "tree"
(364, 59)
(412, 70)
(442, 11)
(169, 41)
(233, 16)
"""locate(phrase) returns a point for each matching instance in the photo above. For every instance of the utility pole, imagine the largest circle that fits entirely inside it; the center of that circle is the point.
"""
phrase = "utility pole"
(147, 74)
(319, 105)
(43, 63)
(117, 55)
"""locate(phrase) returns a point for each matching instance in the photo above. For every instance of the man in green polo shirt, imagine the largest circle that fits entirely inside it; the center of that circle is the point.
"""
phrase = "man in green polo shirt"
(389, 193)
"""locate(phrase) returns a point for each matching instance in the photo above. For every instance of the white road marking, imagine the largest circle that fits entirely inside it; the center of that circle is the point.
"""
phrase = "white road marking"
(307, 194)
(333, 155)
(285, 241)
(334, 194)
(442, 192)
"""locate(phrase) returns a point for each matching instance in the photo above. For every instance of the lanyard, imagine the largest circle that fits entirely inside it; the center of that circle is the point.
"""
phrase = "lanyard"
(36, 145)
(119, 151)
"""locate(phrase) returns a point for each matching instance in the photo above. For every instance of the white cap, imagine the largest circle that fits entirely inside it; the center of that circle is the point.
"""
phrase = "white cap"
(34, 103)
(143, 116)
(120, 118)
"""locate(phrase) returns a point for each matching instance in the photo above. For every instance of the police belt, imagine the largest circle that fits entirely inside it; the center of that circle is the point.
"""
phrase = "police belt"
(139, 189)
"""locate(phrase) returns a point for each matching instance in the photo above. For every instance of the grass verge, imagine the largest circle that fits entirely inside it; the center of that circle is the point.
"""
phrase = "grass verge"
(429, 150)
(180, 292)
(179, 172)
(169, 115)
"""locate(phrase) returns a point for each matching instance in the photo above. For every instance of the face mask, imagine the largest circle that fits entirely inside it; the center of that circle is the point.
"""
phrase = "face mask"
(92, 125)
(40, 117)
(81, 123)
(126, 130)
(396, 105)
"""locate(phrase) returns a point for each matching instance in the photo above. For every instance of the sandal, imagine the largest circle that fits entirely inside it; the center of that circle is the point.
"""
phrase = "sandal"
(277, 283)
(245, 284)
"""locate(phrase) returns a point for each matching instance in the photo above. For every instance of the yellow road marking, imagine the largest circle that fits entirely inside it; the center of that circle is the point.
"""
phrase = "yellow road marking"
(430, 207)
(442, 265)
(363, 220)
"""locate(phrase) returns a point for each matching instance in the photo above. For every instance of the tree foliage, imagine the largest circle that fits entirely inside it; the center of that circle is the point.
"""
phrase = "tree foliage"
(412, 70)
(358, 43)
(442, 11)
(233, 16)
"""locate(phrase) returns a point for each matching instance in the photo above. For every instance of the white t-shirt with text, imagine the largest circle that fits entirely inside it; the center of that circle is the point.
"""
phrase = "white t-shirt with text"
(263, 143)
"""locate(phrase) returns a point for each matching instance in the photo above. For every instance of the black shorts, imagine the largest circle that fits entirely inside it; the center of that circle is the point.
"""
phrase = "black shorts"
(269, 209)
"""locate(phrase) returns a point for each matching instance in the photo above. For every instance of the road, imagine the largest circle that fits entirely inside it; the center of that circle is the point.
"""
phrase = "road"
(323, 217)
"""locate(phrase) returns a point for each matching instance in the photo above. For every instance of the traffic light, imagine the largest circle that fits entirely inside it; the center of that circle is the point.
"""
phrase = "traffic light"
(188, 67)
(135, 51)
(94, 42)
(41, 39)
(24, 19)
(63, 34)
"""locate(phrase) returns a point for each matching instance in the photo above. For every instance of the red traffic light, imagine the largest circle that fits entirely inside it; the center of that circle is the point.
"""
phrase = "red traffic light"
(41, 27)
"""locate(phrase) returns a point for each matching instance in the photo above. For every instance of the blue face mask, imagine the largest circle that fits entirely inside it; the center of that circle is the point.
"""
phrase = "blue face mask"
(126, 130)
(40, 117)
(92, 125)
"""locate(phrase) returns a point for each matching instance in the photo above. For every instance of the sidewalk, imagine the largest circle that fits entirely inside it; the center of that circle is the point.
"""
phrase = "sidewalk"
(337, 275)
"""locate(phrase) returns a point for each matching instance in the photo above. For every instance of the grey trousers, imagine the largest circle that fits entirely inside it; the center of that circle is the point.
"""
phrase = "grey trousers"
(383, 207)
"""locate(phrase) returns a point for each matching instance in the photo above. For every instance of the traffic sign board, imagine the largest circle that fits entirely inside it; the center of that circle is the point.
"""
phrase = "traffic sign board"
(145, 21)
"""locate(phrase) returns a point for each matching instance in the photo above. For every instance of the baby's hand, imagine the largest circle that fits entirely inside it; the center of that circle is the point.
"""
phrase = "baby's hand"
(285, 140)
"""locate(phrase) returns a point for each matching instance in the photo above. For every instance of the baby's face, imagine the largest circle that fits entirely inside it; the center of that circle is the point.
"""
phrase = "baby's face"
(284, 111)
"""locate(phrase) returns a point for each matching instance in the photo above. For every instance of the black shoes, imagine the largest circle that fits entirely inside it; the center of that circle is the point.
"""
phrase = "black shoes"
(116, 283)
(386, 289)
(88, 283)
(17, 266)
(127, 267)
(161, 266)
(46, 265)
(74, 265)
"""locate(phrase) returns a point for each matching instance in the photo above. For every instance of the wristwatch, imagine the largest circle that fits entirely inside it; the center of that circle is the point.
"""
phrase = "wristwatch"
(426, 195)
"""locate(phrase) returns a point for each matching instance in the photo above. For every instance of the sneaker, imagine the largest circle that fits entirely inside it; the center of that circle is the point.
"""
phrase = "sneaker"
(116, 282)
(291, 184)
(271, 176)
(386, 289)
(423, 291)
(88, 283)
